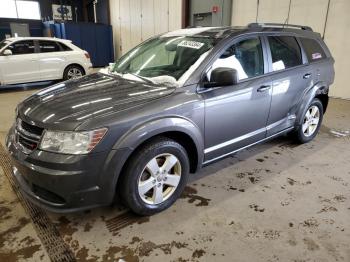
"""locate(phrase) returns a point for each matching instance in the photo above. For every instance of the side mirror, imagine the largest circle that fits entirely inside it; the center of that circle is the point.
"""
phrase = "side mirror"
(222, 76)
(7, 52)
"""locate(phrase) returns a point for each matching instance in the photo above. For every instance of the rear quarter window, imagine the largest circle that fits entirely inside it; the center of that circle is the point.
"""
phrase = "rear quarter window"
(64, 47)
(313, 49)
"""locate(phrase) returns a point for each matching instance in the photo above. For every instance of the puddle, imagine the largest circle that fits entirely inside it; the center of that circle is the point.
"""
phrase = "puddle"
(335, 132)
(340, 133)
(190, 194)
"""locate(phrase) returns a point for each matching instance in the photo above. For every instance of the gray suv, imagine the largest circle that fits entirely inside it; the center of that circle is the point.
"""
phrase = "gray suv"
(173, 104)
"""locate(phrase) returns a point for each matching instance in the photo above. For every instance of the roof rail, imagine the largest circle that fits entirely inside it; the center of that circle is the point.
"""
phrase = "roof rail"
(302, 27)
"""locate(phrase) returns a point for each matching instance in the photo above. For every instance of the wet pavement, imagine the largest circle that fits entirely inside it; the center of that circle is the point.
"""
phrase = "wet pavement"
(278, 201)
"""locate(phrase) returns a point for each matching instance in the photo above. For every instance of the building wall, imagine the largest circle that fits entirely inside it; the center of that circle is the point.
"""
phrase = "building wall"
(312, 13)
(134, 21)
(35, 26)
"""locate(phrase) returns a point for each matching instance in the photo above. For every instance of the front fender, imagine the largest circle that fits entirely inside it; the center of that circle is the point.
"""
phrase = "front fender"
(144, 131)
(321, 88)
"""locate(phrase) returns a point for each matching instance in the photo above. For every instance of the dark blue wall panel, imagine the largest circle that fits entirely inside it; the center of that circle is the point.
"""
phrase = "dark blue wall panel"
(94, 38)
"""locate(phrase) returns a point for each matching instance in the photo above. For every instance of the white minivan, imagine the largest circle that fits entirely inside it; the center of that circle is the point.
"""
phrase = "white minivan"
(32, 59)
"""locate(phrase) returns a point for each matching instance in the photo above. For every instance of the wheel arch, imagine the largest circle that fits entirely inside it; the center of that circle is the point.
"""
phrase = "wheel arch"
(73, 64)
(320, 91)
(182, 130)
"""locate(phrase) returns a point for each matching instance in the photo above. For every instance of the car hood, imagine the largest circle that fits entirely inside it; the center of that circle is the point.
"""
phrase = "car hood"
(66, 105)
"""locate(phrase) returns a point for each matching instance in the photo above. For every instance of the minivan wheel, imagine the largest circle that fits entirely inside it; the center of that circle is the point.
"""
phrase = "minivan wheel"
(73, 72)
(311, 122)
(155, 176)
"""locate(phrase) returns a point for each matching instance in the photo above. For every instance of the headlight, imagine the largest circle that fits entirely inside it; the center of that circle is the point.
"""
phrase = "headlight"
(71, 142)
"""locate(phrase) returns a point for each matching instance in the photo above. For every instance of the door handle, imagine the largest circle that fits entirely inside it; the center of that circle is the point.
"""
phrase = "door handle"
(264, 88)
(307, 76)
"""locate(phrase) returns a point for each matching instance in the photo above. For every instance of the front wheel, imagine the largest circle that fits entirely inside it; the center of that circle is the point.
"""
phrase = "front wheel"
(155, 176)
(311, 123)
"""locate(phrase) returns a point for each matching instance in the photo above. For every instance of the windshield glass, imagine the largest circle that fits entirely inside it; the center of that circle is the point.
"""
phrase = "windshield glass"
(4, 43)
(165, 59)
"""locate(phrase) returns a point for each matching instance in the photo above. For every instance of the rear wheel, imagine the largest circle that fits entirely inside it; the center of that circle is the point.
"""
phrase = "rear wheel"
(311, 123)
(73, 72)
(155, 176)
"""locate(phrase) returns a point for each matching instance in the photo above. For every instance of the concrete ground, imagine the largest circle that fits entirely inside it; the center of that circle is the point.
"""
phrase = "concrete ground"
(274, 202)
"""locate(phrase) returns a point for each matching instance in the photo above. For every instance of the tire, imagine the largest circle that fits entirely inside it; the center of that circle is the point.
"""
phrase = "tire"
(150, 159)
(314, 113)
(73, 72)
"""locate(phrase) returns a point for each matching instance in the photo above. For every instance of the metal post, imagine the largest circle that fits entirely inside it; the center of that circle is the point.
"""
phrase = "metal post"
(95, 16)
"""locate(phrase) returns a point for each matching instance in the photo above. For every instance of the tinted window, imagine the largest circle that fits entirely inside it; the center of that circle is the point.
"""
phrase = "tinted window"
(245, 56)
(49, 46)
(312, 49)
(22, 47)
(285, 52)
(64, 47)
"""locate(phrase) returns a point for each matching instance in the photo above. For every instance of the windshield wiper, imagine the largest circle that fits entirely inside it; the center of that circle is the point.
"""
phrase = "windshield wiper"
(143, 78)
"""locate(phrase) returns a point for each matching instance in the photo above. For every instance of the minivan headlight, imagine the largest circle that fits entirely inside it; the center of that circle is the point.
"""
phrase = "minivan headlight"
(67, 142)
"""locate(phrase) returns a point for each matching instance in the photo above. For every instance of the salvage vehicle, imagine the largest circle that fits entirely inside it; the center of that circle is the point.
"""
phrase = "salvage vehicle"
(173, 104)
(34, 59)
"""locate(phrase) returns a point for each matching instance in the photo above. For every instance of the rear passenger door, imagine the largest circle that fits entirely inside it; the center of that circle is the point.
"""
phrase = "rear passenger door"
(51, 60)
(291, 75)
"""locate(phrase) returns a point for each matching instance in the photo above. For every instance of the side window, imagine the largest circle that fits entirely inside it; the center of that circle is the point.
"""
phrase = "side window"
(245, 56)
(22, 47)
(48, 46)
(312, 49)
(64, 47)
(285, 52)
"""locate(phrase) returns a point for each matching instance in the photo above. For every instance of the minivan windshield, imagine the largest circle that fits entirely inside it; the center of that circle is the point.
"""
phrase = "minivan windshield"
(164, 59)
(4, 43)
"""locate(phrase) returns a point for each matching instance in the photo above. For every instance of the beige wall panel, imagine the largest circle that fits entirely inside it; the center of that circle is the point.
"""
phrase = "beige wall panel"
(115, 22)
(273, 11)
(161, 16)
(147, 9)
(136, 21)
(338, 41)
(310, 12)
(175, 17)
(243, 12)
(125, 23)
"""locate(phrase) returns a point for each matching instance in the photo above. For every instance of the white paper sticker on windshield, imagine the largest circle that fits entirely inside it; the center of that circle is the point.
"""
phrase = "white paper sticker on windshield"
(191, 44)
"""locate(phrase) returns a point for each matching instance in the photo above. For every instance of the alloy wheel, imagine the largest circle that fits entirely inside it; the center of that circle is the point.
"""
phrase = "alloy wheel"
(74, 73)
(311, 120)
(159, 179)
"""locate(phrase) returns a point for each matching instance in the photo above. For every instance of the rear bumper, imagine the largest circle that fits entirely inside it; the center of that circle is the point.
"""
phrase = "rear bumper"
(88, 68)
(65, 183)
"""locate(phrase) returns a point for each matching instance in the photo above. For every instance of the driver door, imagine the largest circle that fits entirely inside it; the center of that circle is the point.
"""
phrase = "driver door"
(236, 116)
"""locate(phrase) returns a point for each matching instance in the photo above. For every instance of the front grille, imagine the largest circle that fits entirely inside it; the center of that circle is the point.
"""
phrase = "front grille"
(32, 129)
(28, 136)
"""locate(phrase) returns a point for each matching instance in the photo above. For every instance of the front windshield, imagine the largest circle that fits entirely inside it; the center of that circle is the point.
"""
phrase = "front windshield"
(4, 43)
(165, 59)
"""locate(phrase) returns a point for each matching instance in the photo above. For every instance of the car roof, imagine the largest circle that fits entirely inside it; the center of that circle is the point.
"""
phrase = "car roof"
(222, 32)
(12, 39)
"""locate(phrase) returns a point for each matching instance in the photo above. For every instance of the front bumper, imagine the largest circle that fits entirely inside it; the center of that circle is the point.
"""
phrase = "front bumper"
(64, 183)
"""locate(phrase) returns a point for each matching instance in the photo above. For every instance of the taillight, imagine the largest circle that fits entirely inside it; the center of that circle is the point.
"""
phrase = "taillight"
(87, 55)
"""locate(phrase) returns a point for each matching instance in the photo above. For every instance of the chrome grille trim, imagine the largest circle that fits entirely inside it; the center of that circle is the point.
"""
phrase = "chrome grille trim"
(29, 140)
(24, 132)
